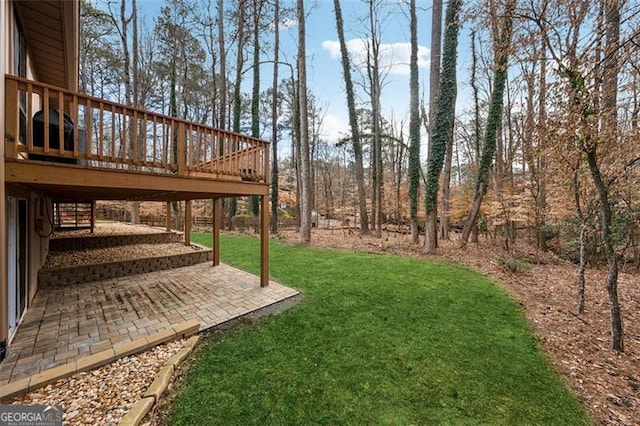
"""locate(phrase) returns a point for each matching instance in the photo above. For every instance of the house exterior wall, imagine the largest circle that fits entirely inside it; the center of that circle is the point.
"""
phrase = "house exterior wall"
(39, 208)
(4, 47)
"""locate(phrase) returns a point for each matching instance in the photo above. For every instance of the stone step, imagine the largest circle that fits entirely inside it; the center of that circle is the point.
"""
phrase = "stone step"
(108, 270)
(88, 242)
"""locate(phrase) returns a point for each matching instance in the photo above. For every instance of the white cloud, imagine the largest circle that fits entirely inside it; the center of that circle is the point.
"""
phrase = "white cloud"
(394, 57)
(334, 128)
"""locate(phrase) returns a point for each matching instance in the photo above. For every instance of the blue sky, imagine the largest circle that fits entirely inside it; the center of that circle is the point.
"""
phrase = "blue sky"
(325, 69)
(323, 57)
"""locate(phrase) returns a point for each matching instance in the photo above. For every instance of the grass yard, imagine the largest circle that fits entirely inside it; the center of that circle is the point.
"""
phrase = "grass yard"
(377, 340)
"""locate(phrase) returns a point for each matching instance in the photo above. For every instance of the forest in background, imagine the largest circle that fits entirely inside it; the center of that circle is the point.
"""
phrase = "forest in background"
(546, 148)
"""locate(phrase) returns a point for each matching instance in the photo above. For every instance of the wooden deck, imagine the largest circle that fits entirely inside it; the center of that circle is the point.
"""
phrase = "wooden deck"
(77, 147)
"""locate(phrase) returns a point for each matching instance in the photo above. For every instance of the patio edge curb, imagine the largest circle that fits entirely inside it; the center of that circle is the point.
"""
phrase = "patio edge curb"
(155, 390)
(98, 359)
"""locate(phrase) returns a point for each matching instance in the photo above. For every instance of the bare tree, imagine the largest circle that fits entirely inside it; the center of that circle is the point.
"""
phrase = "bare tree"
(305, 166)
(353, 122)
(373, 74)
(274, 119)
(414, 125)
(611, 69)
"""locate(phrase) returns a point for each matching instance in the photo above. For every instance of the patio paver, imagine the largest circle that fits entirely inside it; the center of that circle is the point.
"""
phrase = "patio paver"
(66, 323)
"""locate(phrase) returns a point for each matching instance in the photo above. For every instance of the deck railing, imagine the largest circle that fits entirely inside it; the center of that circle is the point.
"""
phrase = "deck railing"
(97, 133)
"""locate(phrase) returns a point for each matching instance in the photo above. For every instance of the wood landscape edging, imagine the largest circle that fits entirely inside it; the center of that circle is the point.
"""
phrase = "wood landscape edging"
(43, 378)
(141, 408)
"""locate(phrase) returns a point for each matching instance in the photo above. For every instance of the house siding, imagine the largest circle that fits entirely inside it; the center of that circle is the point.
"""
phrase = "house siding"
(37, 245)
(4, 47)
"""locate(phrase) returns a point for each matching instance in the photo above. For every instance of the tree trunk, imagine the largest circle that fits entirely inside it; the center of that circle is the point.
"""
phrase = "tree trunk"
(353, 122)
(222, 51)
(305, 165)
(583, 228)
(434, 88)
(414, 125)
(446, 186)
(617, 335)
(494, 119)
(609, 131)
(135, 67)
(373, 76)
(476, 121)
(435, 68)
(274, 120)
(255, 92)
(442, 122)
(237, 94)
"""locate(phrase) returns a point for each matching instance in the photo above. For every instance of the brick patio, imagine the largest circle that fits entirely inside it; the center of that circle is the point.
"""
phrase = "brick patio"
(66, 323)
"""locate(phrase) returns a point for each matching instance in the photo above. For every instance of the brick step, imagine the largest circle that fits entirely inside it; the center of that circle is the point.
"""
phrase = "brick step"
(107, 270)
(87, 242)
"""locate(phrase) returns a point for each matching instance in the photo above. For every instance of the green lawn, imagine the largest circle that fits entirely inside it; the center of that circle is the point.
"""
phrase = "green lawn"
(377, 340)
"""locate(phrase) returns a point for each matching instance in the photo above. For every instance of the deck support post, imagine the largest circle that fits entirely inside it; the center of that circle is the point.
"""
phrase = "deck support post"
(168, 224)
(217, 217)
(187, 222)
(93, 216)
(264, 240)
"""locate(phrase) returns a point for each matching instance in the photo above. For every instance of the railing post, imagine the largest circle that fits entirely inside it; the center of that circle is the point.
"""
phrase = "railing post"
(182, 151)
(11, 119)
(265, 150)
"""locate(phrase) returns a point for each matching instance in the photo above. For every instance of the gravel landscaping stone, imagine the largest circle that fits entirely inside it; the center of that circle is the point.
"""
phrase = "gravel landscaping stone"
(103, 396)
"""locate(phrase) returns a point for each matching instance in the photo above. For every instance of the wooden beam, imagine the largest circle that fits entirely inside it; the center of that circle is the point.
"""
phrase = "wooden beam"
(97, 179)
(187, 222)
(264, 240)
(217, 217)
(168, 224)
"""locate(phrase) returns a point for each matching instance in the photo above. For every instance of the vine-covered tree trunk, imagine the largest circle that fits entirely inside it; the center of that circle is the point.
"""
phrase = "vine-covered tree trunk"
(353, 122)
(442, 121)
(446, 185)
(493, 121)
(414, 125)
